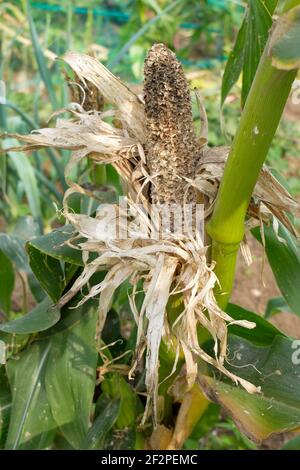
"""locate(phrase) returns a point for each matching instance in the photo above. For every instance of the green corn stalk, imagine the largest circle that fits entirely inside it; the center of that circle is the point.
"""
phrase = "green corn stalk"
(259, 121)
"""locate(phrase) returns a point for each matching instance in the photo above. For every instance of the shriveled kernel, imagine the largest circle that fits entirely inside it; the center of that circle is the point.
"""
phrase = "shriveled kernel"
(171, 146)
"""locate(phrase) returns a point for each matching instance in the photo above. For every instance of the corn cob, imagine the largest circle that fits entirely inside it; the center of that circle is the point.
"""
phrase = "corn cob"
(171, 146)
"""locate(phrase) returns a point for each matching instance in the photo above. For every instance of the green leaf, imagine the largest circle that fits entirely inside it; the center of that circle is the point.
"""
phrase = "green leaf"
(61, 443)
(116, 387)
(277, 408)
(276, 305)
(108, 413)
(271, 5)
(141, 32)
(31, 424)
(264, 332)
(7, 282)
(42, 317)
(27, 176)
(285, 40)
(26, 118)
(111, 333)
(113, 179)
(46, 183)
(2, 352)
(70, 378)
(234, 64)
(50, 152)
(54, 245)
(35, 287)
(48, 271)
(70, 316)
(13, 247)
(289, 4)
(12, 344)
(258, 22)
(40, 58)
(5, 406)
(248, 48)
(26, 228)
(284, 259)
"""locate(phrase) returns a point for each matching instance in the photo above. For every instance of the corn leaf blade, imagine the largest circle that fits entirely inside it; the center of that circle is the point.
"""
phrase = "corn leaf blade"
(258, 23)
(40, 58)
(55, 245)
(108, 413)
(70, 378)
(48, 271)
(27, 176)
(42, 317)
(7, 282)
(284, 258)
(277, 408)
(31, 424)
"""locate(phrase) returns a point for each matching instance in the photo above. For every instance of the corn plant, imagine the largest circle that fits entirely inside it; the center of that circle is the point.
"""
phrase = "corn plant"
(134, 319)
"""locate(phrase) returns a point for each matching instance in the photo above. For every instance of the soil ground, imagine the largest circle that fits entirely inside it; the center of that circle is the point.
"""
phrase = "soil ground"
(253, 288)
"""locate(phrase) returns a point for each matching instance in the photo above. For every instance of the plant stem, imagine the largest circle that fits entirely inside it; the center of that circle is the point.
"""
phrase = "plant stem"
(99, 175)
(259, 121)
(193, 406)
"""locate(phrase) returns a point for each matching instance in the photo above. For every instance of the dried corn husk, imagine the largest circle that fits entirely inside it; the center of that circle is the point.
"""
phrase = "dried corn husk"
(168, 266)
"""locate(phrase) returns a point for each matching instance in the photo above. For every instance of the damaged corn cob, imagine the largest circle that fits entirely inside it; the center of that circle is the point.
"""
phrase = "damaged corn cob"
(156, 142)
(171, 146)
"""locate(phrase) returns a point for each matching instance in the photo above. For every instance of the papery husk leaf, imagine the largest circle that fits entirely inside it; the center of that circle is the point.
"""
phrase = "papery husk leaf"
(114, 91)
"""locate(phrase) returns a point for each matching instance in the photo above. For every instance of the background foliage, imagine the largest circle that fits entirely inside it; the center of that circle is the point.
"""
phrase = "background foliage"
(56, 348)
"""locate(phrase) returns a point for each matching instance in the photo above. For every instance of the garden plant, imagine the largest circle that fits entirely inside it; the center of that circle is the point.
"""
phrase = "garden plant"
(133, 342)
